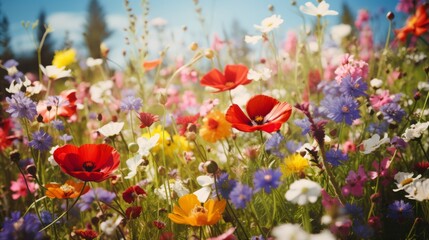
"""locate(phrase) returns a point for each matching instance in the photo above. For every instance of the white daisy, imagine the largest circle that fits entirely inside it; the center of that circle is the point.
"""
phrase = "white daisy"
(321, 10)
(269, 23)
(404, 180)
(252, 39)
(415, 131)
(303, 191)
(111, 129)
(373, 143)
(259, 73)
(53, 72)
(289, 231)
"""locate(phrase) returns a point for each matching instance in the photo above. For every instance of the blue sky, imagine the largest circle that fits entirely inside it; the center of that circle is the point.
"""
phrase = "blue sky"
(70, 16)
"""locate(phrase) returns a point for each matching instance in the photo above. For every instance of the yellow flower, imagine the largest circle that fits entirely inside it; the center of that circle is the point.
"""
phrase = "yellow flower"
(191, 212)
(175, 144)
(215, 127)
(64, 58)
(294, 164)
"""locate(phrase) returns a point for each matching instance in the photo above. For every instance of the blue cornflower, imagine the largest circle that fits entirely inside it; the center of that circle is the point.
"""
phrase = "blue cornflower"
(225, 185)
(274, 145)
(400, 210)
(336, 157)
(131, 103)
(392, 112)
(241, 195)
(100, 194)
(379, 128)
(340, 109)
(27, 229)
(42, 141)
(12, 71)
(21, 106)
(266, 179)
(353, 87)
(293, 146)
(354, 211)
(65, 138)
(398, 142)
(57, 101)
(363, 231)
(329, 88)
(58, 124)
(304, 124)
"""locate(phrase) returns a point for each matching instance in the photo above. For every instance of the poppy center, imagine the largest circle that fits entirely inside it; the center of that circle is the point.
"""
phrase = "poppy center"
(88, 166)
(259, 119)
(213, 124)
(345, 109)
(67, 189)
(199, 209)
(229, 84)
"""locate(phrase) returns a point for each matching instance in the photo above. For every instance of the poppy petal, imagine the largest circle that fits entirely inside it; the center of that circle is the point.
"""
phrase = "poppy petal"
(61, 153)
(237, 74)
(214, 79)
(260, 106)
(236, 116)
(188, 202)
(280, 113)
(149, 65)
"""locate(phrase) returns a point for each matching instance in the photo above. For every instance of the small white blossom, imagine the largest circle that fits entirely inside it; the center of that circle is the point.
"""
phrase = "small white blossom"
(204, 193)
(404, 180)
(269, 23)
(415, 131)
(376, 83)
(51, 159)
(176, 186)
(145, 145)
(101, 91)
(109, 226)
(260, 73)
(303, 191)
(423, 86)
(252, 39)
(373, 143)
(338, 32)
(289, 231)
(91, 62)
(53, 72)
(321, 10)
(111, 129)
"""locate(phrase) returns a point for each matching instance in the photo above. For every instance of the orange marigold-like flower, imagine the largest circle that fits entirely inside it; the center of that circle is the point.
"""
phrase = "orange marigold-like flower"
(191, 212)
(70, 189)
(215, 127)
(416, 25)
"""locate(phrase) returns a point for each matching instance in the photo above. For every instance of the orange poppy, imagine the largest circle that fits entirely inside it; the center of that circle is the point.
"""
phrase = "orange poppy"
(234, 76)
(416, 25)
(149, 65)
(191, 212)
(70, 189)
(67, 110)
(264, 113)
(89, 162)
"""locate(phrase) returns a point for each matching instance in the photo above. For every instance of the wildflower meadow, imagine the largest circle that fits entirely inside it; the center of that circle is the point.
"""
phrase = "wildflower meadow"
(318, 132)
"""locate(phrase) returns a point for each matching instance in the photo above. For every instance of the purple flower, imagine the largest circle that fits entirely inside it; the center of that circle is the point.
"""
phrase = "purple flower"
(392, 112)
(92, 195)
(65, 138)
(400, 210)
(293, 146)
(131, 103)
(398, 142)
(225, 185)
(241, 195)
(41, 141)
(353, 87)
(336, 157)
(26, 227)
(266, 179)
(304, 124)
(355, 212)
(21, 106)
(379, 128)
(58, 124)
(57, 101)
(12, 71)
(274, 145)
(363, 231)
(340, 109)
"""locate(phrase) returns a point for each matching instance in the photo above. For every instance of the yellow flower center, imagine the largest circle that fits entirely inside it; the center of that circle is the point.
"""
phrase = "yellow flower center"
(199, 210)
(406, 181)
(229, 84)
(345, 109)
(67, 189)
(259, 119)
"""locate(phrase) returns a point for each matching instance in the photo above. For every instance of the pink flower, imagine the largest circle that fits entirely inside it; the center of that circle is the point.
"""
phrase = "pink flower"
(188, 75)
(366, 43)
(217, 43)
(382, 170)
(355, 182)
(406, 6)
(377, 101)
(228, 235)
(393, 76)
(354, 68)
(329, 202)
(19, 188)
(189, 102)
(349, 146)
(290, 44)
(362, 18)
(207, 106)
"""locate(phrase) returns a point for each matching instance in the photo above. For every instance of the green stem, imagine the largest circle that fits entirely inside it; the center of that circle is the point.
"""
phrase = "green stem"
(306, 219)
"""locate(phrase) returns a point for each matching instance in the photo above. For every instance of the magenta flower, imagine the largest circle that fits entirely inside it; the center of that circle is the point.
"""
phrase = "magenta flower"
(382, 170)
(351, 67)
(19, 188)
(355, 182)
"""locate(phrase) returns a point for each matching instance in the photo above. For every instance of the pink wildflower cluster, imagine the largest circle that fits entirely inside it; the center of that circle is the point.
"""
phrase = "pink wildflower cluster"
(352, 67)
(355, 182)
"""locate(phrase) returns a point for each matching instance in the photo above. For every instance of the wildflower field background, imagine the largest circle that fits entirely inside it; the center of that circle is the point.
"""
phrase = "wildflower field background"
(268, 131)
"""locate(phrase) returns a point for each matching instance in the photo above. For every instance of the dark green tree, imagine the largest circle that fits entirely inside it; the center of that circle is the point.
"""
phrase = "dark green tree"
(47, 52)
(347, 15)
(5, 38)
(96, 30)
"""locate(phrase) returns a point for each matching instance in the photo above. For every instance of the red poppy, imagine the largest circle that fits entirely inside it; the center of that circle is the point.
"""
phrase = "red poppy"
(235, 75)
(133, 212)
(416, 25)
(149, 65)
(63, 111)
(264, 113)
(89, 162)
(131, 193)
(5, 138)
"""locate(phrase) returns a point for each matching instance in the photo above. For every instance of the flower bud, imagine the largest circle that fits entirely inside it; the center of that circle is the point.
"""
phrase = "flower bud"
(15, 156)
(31, 169)
(133, 147)
(209, 54)
(390, 16)
(211, 167)
(161, 170)
(100, 117)
(39, 118)
(193, 46)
